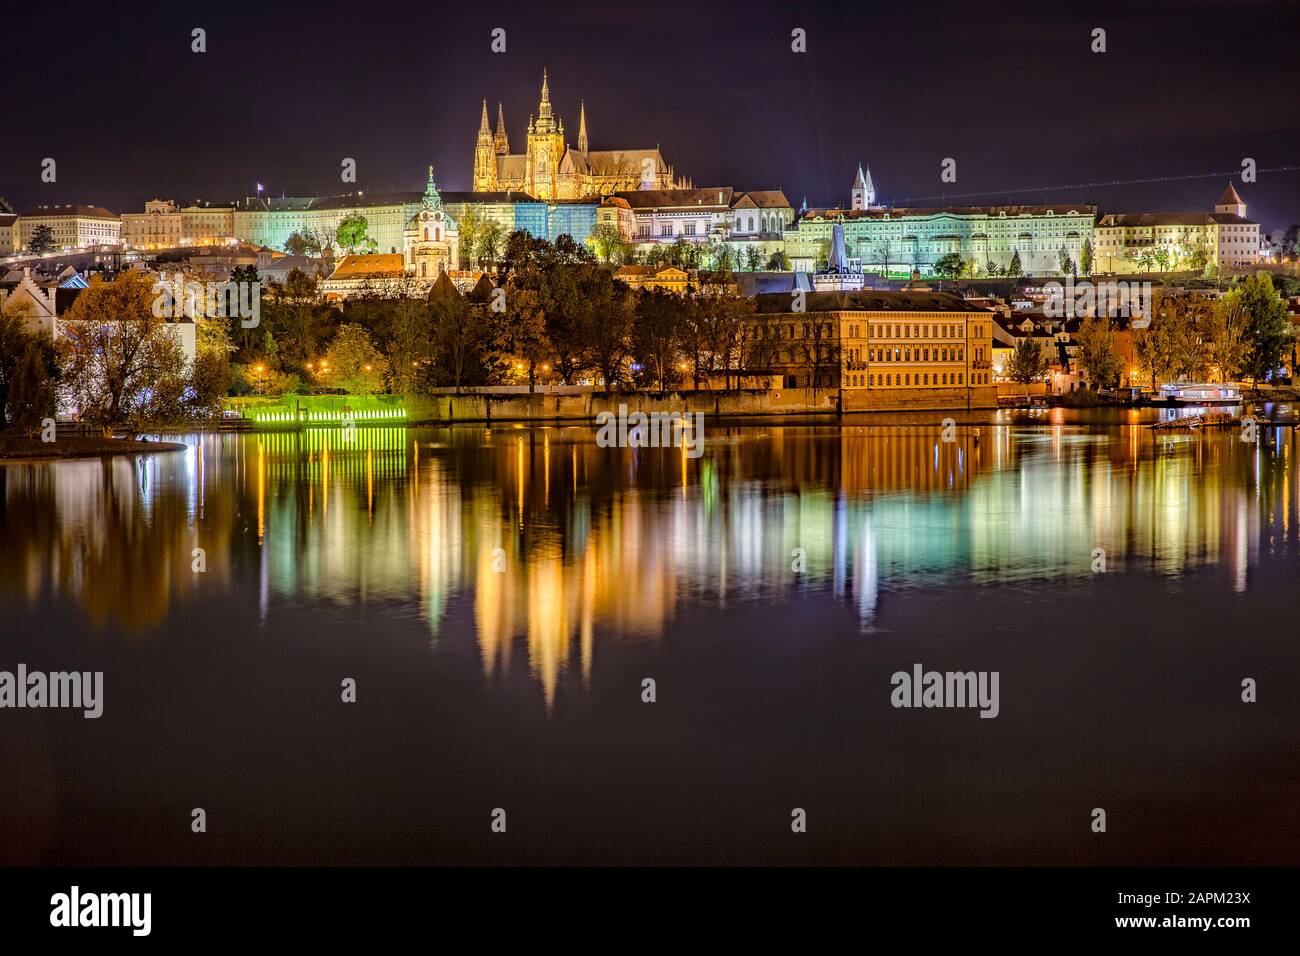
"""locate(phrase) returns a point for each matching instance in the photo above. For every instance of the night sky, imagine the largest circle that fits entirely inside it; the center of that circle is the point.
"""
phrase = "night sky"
(1010, 90)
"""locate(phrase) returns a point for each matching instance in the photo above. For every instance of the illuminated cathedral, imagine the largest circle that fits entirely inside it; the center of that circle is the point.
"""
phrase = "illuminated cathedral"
(548, 169)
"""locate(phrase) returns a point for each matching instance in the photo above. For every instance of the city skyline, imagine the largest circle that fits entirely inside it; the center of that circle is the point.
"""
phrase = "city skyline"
(765, 117)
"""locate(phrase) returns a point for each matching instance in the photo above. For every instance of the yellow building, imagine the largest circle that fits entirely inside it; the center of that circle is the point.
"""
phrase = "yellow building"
(548, 169)
(207, 225)
(670, 278)
(158, 227)
(1162, 241)
(871, 342)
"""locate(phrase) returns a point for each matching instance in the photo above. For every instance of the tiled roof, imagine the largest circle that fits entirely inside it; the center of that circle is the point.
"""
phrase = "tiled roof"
(1173, 219)
(1064, 209)
(716, 196)
(1230, 197)
(378, 266)
(83, 212)
(869, 301)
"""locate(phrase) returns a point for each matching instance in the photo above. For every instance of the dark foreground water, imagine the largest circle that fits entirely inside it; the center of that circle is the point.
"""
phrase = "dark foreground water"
(512, 678)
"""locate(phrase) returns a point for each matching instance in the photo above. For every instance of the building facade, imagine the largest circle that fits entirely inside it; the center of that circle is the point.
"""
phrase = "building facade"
(872, 342)
(160, 226)
(1160, 241)
(203, 224)
(549, 169)
(72, 227)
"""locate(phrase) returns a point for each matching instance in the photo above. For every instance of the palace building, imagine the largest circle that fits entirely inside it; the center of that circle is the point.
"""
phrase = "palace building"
(899, 240)
(1143, 242)
(548, 169)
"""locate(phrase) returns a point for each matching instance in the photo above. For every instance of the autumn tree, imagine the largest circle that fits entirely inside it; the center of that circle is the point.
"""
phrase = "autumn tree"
(121, 364)
(657, 335)
(29, 371)
(353, 363)
(1097, 355)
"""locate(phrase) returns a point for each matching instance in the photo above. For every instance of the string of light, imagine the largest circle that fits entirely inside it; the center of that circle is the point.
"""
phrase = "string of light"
(1099, 185)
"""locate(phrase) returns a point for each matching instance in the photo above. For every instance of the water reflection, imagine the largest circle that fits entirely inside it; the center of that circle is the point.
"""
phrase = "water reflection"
(556, 544)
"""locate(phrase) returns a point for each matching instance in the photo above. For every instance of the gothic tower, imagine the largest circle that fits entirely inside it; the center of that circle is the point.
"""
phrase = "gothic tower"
(582, 128)
(485, 157)
(545, 148)
(864, 193)
(502, 141)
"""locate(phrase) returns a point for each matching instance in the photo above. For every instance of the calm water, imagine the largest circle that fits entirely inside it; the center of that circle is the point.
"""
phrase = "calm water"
(520, 688)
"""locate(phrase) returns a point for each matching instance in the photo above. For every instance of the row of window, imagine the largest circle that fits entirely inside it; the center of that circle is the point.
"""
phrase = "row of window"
(914, 379)
(916, 355)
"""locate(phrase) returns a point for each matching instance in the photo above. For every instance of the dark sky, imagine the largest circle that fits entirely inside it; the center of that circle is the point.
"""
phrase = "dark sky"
(1010, 90)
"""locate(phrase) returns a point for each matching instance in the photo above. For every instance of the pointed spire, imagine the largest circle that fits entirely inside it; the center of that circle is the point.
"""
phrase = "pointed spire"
(483, 121)
(431, 198)
(582, 127)
(544, 108)
(502, 141)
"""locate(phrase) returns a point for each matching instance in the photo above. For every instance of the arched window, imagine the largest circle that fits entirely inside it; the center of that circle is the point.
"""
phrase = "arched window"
(426, 233)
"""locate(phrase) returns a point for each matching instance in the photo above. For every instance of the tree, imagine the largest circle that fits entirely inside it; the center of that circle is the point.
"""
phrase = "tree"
(607, 317)
(1267, 328)
(354, 364)
(607, 242)
(41, 241)
(1162, 258)
(121, 364)
(778, 261)
(1097, 356)
(297, 316)
(752, 258)
(296, 244)
(1064, 261)
(316, 242)
(1085, 258)
(657, 335)
(351, 232)
(1169, 348)
(29, 371)
(950, 266)
(884, 253)
(456, 329)
(1027, 363)
(517, 336)
(1015, 269)
(1224, 332)
(469, 226)
(489, 240)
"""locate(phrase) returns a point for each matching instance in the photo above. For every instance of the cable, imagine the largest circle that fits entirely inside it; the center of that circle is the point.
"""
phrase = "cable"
(1101, 185)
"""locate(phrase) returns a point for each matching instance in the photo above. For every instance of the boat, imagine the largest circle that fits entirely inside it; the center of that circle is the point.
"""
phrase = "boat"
(1199, 393)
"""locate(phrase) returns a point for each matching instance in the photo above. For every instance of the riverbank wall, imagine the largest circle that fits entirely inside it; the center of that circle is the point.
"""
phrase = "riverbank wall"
(580, 405)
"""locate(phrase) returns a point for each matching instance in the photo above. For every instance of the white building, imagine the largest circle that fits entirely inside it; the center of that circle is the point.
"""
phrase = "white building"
(73, 227)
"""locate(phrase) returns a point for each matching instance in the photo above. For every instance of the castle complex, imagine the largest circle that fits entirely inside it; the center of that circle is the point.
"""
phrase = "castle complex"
(548, 169)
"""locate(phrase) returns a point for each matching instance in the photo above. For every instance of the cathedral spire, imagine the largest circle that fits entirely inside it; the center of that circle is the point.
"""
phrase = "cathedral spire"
(582, 127)
(502, 141)
(544, 108)
(483, 122)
